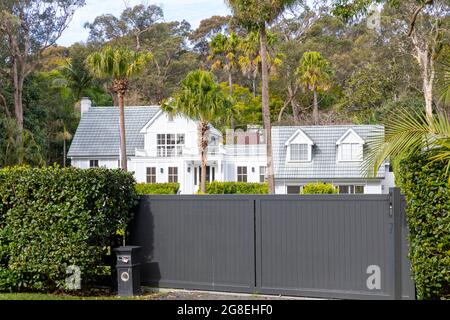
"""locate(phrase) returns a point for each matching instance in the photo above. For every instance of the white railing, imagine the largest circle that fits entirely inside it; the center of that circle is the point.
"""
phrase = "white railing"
(246, 150)
(173, 153)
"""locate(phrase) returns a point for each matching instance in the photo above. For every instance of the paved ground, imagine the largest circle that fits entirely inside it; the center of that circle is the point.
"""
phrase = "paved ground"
(173, 294)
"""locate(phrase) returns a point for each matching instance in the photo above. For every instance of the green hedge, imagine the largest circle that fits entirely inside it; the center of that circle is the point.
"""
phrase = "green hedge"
(319, 188)
(157, 188)
(217, 187)
(427, 192)
(51, 218)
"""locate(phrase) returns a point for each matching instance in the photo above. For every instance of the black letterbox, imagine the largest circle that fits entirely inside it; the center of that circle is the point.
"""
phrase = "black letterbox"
(128, 271)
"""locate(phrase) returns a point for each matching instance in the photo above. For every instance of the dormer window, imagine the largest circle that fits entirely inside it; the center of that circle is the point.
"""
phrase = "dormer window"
(299, 152)
(299, 148)
(350, 147)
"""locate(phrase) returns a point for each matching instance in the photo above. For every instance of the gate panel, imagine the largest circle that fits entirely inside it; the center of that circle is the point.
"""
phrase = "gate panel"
(196, 242)
(324, 246)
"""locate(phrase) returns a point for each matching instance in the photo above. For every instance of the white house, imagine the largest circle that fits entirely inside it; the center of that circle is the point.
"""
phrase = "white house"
(161, 148)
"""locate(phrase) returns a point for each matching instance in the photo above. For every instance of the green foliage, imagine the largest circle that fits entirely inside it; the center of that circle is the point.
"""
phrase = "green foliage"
(427, 193)
(157, 188)
(51, 218)
(217, 187)
(314, 72)
(319, 188)
(118, 63)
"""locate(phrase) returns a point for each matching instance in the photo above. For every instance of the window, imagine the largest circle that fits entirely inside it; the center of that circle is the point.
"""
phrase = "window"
(93, 164)
(351, 189)
(151, 175)
(293, 189)
(169, 145)
(173, 174)
(351, 152)
(242, 174)
(299, 152)
(262, 174)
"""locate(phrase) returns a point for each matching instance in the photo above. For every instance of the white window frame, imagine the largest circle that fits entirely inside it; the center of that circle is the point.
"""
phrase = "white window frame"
(358, 157)
(308, 148)
(166, 150)
(352, 139)
(299, 137)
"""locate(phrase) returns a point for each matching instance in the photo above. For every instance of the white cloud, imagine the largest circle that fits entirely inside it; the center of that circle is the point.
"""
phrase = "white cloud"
(174, 10)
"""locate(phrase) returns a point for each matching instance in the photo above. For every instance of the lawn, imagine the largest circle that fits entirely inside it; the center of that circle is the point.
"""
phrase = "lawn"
(45, 296)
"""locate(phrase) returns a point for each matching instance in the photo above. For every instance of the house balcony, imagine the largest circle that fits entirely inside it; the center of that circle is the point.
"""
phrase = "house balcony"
(178, 152)
(246, 150)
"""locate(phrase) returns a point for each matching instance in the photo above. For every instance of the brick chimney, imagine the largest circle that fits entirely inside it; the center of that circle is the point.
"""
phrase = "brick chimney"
(86, 104)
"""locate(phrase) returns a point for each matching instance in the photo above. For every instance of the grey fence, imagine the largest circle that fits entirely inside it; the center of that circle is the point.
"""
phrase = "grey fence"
(332, 246)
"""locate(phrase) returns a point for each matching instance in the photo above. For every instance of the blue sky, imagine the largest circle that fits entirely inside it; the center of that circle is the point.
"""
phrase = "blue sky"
(191, 10)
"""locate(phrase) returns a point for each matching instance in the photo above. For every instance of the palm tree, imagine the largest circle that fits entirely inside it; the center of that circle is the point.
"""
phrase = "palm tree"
(256, 15)
(120, 64)
(314, 74)
(201, 99)
(407, 133)
(64, 136)
(226, 48)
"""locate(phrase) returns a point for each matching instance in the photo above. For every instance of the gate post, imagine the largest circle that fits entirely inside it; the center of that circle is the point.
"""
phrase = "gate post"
(396, 205)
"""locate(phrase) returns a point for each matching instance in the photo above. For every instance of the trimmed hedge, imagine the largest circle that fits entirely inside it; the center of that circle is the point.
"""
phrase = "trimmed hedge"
(427, 192)
(319, 188)
(217, 187)
(157, 188)
(51, 218)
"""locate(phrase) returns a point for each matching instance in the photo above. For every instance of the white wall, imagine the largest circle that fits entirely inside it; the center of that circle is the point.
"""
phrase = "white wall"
(179, 125)
(84, 163)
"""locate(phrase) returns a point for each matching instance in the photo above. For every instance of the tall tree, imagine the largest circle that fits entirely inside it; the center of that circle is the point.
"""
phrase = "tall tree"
(258, 15)
(424, 22)
(120, 65)
(30, 28)
(314, 73)
(201, 99)
(224, 50)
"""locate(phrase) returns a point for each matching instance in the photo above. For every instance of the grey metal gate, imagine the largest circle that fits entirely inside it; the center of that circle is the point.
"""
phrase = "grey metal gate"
(333, 246)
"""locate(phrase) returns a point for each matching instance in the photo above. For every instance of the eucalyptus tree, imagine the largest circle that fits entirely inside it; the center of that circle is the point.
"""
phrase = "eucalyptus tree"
(120, 65)
(201, 99)
(257, 15)
(28, 28)
(424, 22)
(314, 74)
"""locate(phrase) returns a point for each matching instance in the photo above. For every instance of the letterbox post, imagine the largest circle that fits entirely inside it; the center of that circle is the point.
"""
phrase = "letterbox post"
(128, 271)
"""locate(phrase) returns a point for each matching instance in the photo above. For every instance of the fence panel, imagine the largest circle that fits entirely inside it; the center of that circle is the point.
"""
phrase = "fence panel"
(333, 246)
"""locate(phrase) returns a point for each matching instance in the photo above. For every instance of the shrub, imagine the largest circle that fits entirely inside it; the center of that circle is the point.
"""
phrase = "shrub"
(427, 192)
(319, 188)
(217, 187)
(157, 188)
(51, 218)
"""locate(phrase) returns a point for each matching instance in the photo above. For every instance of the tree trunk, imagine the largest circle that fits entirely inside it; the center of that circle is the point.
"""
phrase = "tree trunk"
(203, 128)
(424, 57)
(230, 84)
(295, 111)
(64, 153)
(266, 108)
(254, 85)
(18, 105)
(315, 108)
(123, 144)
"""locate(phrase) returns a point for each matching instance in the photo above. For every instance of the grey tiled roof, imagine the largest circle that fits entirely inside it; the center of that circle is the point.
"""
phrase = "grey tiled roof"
(324, 156)
(98, 131)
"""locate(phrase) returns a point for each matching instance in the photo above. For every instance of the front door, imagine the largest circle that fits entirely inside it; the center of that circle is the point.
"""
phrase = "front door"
(210, 173)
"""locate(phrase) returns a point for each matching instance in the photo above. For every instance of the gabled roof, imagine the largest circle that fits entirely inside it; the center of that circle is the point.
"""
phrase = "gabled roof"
(299, 137)
(324, 164)
(152, 120)
(350, 133)
(97, 134)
